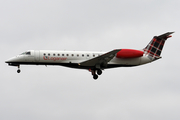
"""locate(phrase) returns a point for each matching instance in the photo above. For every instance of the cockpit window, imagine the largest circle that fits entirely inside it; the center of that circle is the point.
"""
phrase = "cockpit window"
(28, 53)
(23, 53)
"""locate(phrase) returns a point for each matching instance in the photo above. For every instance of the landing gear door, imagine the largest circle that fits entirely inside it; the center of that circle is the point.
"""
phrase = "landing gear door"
(36, 55)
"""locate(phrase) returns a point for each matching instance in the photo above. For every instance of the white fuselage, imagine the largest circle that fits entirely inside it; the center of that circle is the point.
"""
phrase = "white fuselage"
(95, 62)
(71, 59)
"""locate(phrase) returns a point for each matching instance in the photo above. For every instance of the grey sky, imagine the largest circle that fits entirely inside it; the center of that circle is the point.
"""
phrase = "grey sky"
(41, 93)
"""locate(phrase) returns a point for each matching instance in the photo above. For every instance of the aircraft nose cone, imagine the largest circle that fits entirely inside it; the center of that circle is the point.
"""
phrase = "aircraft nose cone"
(14, 61)
(11, 60)
(8, 61)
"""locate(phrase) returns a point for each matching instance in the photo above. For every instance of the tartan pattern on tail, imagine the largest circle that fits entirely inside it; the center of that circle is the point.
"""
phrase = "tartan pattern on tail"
(154, 48)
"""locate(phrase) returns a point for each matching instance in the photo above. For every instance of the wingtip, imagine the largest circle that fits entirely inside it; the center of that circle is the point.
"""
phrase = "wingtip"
(165, 35)
(171, 32)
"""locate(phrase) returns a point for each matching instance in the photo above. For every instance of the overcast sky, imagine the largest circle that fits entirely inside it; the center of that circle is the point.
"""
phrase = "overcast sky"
(147, 92)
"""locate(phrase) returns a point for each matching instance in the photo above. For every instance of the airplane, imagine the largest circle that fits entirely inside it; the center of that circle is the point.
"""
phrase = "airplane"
(95, 62)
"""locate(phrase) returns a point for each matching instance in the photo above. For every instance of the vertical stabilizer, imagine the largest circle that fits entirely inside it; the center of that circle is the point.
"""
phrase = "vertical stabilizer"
(154, 48)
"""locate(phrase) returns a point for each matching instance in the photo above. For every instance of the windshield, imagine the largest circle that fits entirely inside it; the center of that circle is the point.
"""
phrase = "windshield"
(26, 53)
(23, 53)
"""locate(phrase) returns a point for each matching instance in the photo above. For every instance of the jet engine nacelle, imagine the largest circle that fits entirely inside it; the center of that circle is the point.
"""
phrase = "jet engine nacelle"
(129, 53)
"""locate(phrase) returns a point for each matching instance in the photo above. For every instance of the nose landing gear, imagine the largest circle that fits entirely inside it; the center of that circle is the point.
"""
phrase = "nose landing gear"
(18, 71)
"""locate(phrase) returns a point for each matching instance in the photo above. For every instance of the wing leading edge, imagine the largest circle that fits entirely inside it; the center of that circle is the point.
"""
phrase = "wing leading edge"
(100, 60)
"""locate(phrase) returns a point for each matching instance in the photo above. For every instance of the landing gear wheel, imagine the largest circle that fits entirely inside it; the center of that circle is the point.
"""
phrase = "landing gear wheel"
(95, 76)
(99, 72)
(18, 71)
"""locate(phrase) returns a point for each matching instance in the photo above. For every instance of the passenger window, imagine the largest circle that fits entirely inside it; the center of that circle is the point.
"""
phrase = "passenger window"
(67, 54)
(93, 55)
(87, 55)
(82, 55)
(77, 55)
(62, 54)
(58, 54)
(54, 54)
(48, 54)
(72, 54)
(44, 54)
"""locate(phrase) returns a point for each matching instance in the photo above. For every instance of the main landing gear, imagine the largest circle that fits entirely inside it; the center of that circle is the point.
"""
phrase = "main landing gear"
(95, 76)
(18, 71)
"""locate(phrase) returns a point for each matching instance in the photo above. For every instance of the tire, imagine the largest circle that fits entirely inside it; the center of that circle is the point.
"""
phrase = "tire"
(18, 71)
(95, 76)
(99, 72)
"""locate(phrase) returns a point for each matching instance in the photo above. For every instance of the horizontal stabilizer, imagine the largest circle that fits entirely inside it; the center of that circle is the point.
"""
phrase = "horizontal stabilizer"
(165, 36)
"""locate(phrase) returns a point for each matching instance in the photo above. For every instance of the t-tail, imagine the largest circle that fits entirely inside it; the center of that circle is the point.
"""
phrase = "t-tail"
(154, 48)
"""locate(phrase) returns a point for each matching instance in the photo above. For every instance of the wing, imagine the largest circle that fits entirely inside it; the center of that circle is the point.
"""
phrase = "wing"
(103, 59)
